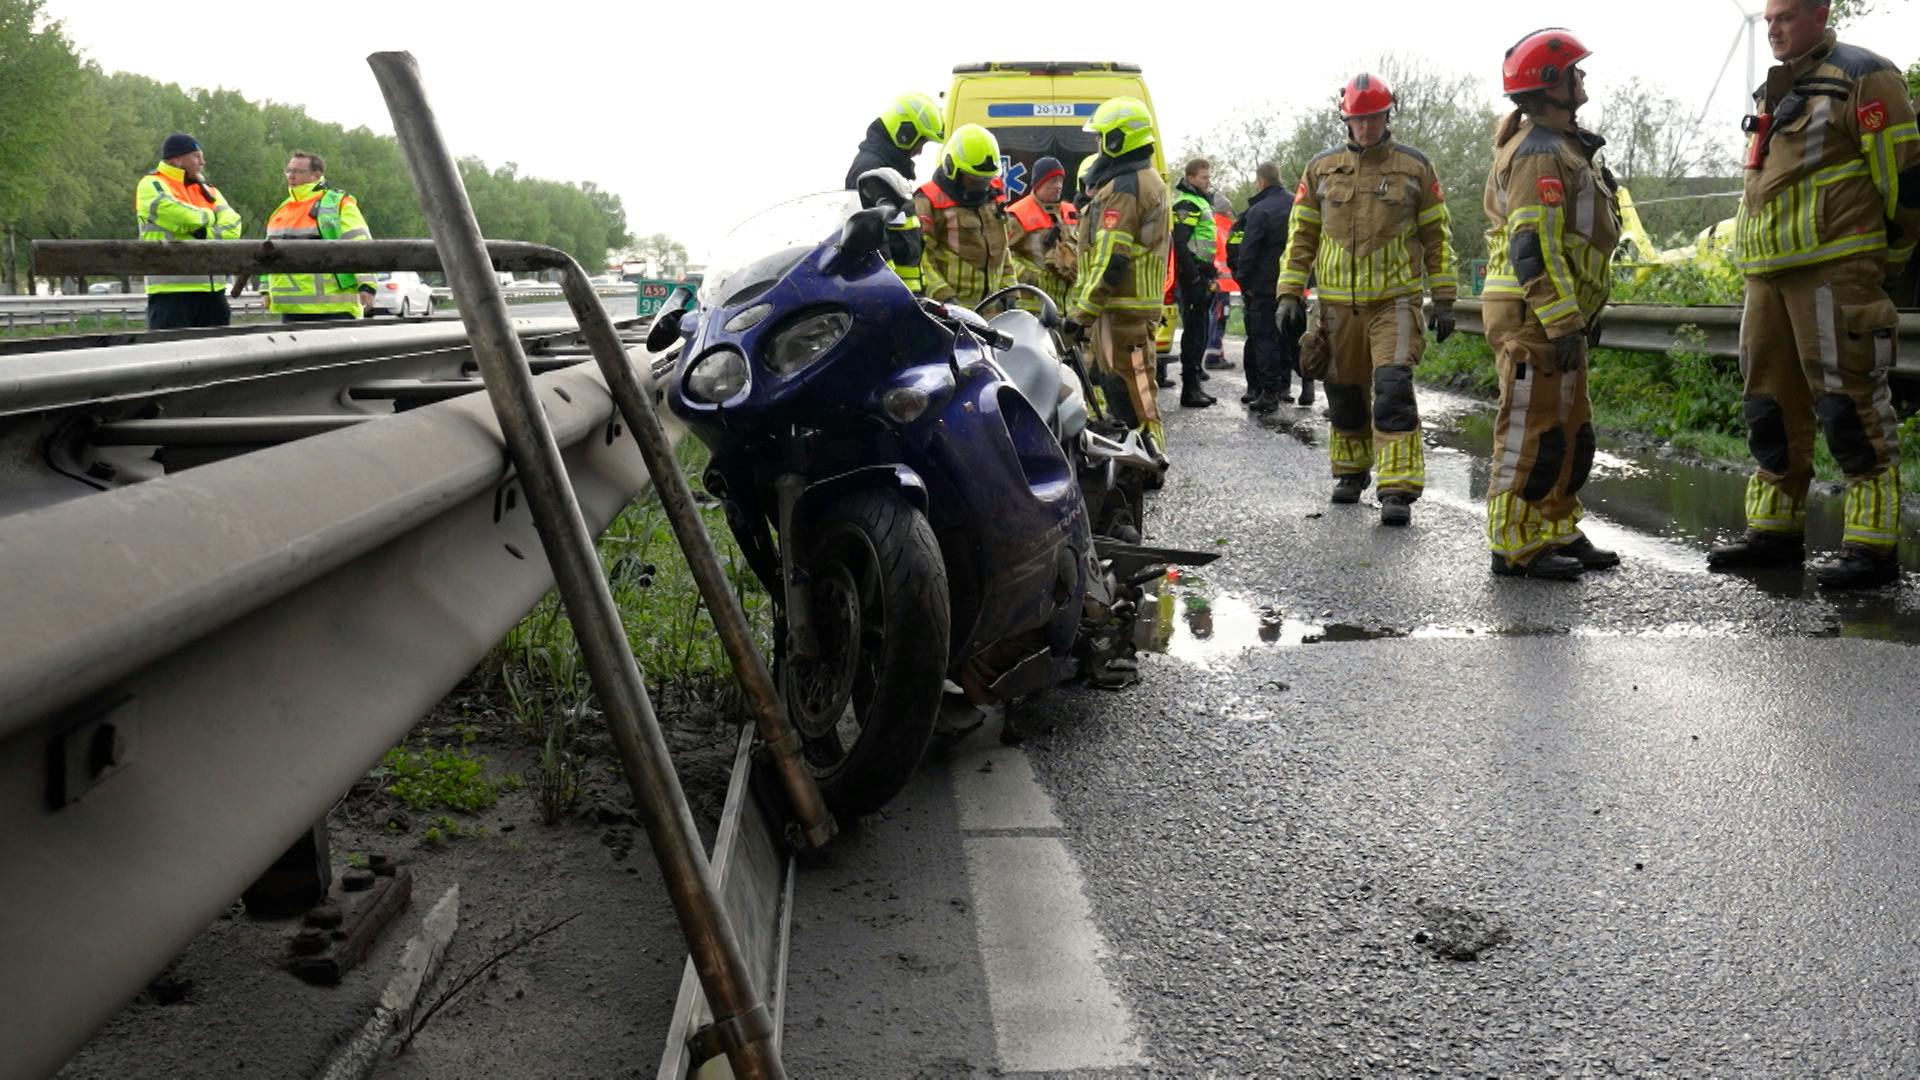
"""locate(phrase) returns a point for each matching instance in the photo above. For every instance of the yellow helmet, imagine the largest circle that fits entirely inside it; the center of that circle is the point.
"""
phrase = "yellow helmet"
(912, 118)
(973, 150)
(1123, 124)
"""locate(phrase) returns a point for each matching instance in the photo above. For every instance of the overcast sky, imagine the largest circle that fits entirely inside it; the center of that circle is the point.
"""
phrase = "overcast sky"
(697, 113)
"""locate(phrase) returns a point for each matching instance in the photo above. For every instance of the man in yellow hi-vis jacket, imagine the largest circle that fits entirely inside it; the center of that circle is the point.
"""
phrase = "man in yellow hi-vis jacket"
(175, 204)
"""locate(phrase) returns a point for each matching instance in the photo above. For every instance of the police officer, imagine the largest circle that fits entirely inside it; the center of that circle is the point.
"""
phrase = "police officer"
(172, 204)
(1042, 233)
(1194, 276)
(1125, 233)
(1555, 221)
(1370, 222)
(908, 123)
(1831, 210)
(1254, 248)
(965, 229)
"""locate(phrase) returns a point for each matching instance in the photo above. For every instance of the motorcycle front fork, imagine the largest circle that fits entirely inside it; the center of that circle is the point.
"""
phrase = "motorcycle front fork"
(802, 642)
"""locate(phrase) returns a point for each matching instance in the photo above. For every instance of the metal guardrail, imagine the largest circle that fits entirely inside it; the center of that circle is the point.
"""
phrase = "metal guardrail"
(66, 310)
(1657, 328)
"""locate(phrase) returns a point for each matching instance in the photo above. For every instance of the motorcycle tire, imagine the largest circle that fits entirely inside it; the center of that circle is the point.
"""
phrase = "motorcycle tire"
(866, 705)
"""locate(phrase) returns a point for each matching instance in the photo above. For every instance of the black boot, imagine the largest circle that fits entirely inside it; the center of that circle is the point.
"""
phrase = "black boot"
(1395, 510)
(1265, 404)
(1306, 392)
(1583, 552)
(1164, 379)
(1759, 549)
(1192, 397)
(1859, 567)
(1348, 486)
(1546, 566)
(1249, 397)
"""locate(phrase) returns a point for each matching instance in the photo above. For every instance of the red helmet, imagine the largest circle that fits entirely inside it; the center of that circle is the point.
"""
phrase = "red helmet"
(1540, 60)
(1365, 96)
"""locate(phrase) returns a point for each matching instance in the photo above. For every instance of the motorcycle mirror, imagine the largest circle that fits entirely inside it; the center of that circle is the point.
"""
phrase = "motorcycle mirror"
(884, 187)
(666, 327)
(864, 234)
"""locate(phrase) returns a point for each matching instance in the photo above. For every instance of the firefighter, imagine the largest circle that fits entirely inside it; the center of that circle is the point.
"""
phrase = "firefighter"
(1370, 223)
(908, 123)
(1254, 248)
(1042, 233)
(1555, 220)
(1194, 275)
(1830, 212)
(1125, 233)
(965, 258)
(173, 204)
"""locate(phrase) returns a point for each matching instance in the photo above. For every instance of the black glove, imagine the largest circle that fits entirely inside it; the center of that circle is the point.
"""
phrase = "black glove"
(1074, 332)
(1440, 320)
(1570, 352)
(1292, 316)
(200, 233)
(1593, 328)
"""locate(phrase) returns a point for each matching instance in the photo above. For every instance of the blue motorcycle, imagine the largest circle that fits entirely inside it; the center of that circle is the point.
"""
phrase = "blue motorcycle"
(910, 482)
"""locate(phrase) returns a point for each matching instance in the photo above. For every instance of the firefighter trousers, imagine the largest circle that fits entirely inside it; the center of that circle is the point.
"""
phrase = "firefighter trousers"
(1543, 439)
(1123, 352)
(1816, 344)
(1370, 404)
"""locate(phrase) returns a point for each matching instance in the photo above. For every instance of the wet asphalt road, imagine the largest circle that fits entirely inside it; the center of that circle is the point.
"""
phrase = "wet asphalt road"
(1655, 823)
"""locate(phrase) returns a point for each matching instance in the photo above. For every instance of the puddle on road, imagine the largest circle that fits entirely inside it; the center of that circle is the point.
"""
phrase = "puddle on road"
(1653, 509)
(1196, 623)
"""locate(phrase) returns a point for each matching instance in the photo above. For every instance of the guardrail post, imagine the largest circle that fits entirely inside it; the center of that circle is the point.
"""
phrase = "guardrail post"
(743, 1023)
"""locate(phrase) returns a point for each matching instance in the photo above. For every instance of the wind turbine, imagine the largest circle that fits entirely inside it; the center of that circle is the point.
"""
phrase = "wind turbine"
(1749, 21)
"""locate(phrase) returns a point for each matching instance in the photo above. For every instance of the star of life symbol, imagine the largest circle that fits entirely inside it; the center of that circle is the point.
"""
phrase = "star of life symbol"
(1015, 174)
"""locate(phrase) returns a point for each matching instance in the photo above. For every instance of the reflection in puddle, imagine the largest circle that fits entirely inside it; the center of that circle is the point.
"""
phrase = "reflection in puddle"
(1201, 625)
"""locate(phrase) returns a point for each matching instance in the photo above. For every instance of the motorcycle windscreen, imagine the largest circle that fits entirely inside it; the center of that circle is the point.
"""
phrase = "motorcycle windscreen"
(762, 249)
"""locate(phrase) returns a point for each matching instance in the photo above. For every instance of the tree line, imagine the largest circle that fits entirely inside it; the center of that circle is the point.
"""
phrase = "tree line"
(74, 139)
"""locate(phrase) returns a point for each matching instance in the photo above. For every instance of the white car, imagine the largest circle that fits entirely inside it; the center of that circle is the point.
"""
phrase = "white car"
(402, 293)
(529, 283)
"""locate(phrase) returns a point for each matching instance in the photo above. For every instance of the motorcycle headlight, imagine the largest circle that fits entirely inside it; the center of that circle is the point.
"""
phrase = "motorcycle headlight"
(802, 343)
(717, 377)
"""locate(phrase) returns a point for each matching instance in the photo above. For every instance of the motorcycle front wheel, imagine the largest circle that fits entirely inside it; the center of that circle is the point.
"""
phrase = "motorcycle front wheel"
(865, 706)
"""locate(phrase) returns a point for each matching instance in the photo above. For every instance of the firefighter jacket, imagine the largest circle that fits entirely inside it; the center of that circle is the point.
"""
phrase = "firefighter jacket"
(1554, 218)
(1370, 225)
(878, 152)
(1125, 234)
(1043, 242)
(965, 254)
(1194, 239)
(170, 209)
(1833, 163)
(1258, 240)
(317, 212)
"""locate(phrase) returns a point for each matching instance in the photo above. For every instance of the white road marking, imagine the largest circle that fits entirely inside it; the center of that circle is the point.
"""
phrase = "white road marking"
(1054, 1009)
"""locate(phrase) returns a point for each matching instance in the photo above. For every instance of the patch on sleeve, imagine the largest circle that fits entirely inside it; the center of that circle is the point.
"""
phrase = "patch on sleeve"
(1110, 219)
(1300, 192)
(1873, 115)
(1552, 192)
(1437, 193)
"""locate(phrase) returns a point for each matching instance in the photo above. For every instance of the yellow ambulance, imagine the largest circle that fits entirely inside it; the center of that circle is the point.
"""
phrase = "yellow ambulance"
(1036, 109)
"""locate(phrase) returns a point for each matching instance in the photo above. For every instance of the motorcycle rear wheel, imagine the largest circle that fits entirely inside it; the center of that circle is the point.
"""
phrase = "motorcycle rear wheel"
(865, 706)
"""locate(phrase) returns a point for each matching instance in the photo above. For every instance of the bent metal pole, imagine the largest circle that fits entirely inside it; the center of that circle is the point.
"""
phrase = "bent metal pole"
(743, 1024)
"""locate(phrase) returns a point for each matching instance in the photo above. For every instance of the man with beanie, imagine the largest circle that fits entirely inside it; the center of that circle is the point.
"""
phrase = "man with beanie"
(173, 204)
(314, 211)
(1040, 233)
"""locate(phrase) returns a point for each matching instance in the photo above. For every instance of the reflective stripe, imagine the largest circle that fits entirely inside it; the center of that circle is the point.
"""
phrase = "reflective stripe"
(1873, 510)
(1515, 529)
(1771, 510)
(282, 232)
(356, 234)
(1401, 463)
(1350, 453)
(1508, 467)
(1785, 232)
(1824, 321)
